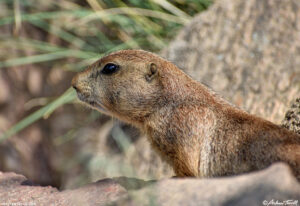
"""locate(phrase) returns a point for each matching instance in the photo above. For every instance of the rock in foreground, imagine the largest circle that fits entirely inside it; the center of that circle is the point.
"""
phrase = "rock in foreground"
(275, 183)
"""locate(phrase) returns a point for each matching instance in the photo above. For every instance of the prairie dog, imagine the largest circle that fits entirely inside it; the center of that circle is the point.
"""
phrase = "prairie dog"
(196, 131)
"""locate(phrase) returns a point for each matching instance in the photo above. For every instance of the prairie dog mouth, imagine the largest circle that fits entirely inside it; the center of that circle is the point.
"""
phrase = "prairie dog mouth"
(90, 102)
(96, 105)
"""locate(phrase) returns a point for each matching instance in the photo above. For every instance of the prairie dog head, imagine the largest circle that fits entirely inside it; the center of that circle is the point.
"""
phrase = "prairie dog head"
(125, 84)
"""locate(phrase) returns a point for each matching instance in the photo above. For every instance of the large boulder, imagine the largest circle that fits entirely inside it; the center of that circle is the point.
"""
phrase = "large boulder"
(248, 51)
(274, 184)
(17, 190)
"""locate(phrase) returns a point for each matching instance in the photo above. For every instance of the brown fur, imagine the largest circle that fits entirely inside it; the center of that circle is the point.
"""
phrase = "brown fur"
(197, 132)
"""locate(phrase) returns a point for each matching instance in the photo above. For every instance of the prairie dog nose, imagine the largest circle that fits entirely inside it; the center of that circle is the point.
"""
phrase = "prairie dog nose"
(75, 83)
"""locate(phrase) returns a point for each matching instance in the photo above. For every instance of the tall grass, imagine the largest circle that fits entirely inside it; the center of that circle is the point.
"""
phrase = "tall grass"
(87, 30)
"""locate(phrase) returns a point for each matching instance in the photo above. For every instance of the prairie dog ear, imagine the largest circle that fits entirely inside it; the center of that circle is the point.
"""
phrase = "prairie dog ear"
(152, 72)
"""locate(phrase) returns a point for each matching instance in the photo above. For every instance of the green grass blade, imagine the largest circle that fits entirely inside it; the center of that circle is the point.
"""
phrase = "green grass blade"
(46, 57)
(18, 16)
(46, 15)
(24, 43)
(59, 32)
(45, 111)
(171, 8)
(67, 97)
(137, 11)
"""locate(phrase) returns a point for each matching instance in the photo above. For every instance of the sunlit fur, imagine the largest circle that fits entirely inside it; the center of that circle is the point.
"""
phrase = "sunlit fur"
(193, 129)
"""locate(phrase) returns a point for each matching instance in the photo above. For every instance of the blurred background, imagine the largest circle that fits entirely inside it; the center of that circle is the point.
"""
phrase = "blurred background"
(44, 134)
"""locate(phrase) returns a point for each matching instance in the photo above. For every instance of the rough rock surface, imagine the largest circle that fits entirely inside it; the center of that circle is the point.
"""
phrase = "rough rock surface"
(16, 189)
(274, 183)
(292, 117)
(248, 51)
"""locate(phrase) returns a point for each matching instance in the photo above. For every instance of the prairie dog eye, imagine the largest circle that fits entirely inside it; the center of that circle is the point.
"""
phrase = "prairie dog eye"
(109, 68)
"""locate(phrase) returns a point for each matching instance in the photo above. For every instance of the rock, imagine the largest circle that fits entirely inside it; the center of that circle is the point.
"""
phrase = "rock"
(292, 117)
(99, 193)
(248, 51)
(275, 183)
(16, 189)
